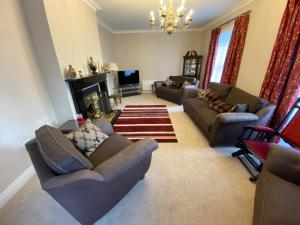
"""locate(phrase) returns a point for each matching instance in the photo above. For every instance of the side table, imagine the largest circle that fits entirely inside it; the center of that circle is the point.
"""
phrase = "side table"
(116, 98)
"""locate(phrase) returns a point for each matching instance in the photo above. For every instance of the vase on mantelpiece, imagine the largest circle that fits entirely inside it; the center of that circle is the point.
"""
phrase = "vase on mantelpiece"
(92, 65)
(72, 72)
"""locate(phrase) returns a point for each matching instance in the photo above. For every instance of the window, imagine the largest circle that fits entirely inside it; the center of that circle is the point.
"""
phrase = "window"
(223, 45)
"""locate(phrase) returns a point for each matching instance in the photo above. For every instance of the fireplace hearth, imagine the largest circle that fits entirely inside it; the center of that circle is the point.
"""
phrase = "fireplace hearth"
(90, 97)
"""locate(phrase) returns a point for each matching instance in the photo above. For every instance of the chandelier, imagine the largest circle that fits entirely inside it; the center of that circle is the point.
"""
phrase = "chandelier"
(171, 19)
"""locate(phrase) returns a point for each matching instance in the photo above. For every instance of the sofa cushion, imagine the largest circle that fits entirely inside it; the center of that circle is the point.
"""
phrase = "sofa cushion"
(182, 79)
(169, 91)
(221, 89)
(240, 108)
(186, 83)
(87, 137)
(168, 82)
(220, 106)
(201, 93)
(238, 96)
(59, 152)
(211, 96)
(206, 116)
(196, 103)
(110, 147)
(173, 84)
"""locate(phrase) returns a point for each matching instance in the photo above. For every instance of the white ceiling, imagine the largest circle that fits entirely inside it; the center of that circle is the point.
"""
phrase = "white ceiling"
(124, 15)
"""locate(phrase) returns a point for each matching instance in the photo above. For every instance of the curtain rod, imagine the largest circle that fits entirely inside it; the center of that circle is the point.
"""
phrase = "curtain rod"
(229, 21)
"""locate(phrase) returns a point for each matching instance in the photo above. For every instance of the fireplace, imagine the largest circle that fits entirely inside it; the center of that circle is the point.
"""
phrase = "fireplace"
(91, 98)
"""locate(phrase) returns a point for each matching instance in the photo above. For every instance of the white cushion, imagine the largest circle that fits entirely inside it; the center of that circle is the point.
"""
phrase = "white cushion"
(87, 138)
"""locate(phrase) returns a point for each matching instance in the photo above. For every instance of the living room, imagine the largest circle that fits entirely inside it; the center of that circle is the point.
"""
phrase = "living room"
(193, 106)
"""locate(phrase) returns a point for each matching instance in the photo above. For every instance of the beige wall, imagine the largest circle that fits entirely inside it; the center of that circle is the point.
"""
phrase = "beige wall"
(60, 42)
(107, 45)
(75, 37)
(74, 30)
(24, 103)
(156, 55)
(47, 59)
(263, 28)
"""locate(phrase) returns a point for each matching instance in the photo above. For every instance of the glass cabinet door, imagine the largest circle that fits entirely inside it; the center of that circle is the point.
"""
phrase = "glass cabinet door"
(192, 64)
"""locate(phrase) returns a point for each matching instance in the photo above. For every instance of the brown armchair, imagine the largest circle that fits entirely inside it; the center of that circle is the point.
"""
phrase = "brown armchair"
(87, 194)
(277, 196)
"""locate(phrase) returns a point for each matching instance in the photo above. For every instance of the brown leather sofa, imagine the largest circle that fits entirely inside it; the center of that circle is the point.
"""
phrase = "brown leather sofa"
(175, 95)
(223, 129)
(277, 197)
(87, 194)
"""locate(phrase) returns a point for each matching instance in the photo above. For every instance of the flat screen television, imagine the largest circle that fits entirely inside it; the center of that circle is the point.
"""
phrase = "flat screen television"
(129, 77)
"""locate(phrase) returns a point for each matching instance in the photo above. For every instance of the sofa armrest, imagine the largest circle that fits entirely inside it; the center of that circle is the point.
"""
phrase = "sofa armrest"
(228, 127)
(284, 162)
(236, 117)
(126, 158)
(67, 179)
(158, 84)
(190, 91)
(265, 114)
(104, 125)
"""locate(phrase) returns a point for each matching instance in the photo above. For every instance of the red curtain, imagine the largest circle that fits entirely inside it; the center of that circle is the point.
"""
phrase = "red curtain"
(212, 52)
(281, 85)
(235, 50)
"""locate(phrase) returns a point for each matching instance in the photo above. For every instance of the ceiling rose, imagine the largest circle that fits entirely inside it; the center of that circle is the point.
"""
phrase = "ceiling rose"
(171, 19)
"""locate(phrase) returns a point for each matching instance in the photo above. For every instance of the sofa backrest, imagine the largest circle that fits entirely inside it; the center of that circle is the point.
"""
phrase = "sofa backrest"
(42, 169)
(59, 152)
(182, 79)
(238, 96)
(221, 89)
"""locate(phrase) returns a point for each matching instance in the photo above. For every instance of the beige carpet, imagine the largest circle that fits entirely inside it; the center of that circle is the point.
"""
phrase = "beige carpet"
(188, 183)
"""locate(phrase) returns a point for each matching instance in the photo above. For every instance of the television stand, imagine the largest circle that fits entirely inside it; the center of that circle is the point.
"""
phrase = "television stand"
(130, 89)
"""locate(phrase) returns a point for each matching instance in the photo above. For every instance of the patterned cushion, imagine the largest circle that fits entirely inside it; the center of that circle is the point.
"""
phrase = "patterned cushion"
(220, 106)
(168, 82)
(87, 138)
(211, 96)
(59, 152)
(202, 93)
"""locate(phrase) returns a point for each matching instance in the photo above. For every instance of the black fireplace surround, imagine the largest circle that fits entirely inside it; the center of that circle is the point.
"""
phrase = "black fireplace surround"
(83, 87)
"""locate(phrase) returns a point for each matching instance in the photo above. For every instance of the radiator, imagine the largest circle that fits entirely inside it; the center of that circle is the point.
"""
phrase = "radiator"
(147, 85)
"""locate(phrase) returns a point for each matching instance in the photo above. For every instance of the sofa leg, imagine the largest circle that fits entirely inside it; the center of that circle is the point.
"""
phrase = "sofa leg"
(237, 153)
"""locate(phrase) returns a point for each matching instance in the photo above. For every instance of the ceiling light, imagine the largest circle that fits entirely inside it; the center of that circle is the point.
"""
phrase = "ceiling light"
(171, 19)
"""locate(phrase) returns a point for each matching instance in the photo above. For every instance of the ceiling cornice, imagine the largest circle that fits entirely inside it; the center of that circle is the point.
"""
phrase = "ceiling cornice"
(208, 25)
(219, 19)
(102, 23)
(93, 4)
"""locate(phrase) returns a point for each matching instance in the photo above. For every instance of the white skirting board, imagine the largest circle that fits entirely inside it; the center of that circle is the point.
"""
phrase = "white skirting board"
(14, 187)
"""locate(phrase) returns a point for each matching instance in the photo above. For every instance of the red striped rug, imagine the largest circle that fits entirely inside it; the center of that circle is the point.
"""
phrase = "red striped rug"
(137, 122)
